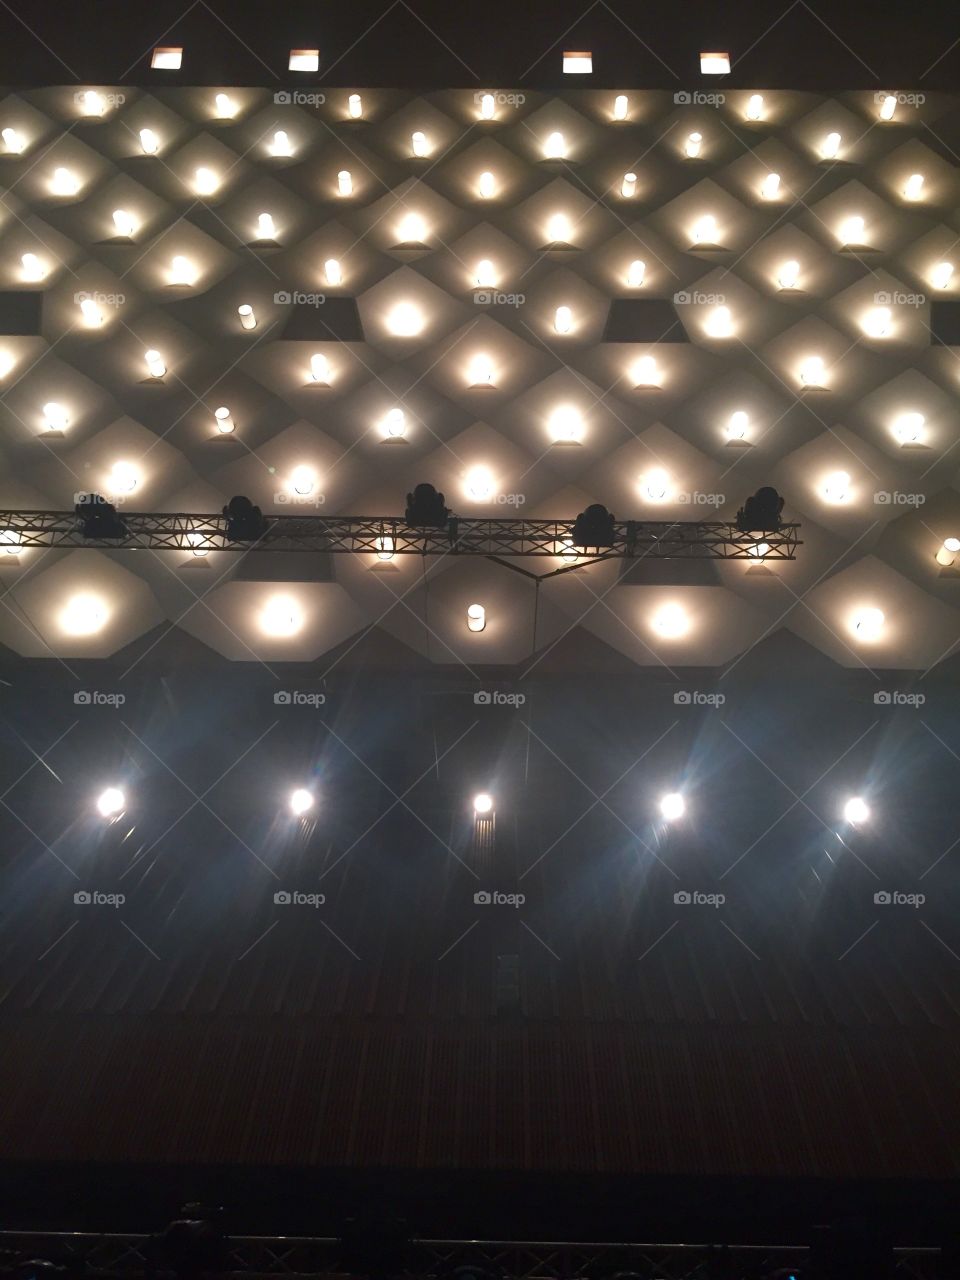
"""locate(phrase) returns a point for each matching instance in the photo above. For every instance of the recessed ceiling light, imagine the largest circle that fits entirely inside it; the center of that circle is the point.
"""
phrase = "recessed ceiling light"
(671, 621)
(300, 801)
(577, 63)
(84, 615)
(714, 64)
(482, 803)
(304, 60)
(856, 811)
(167, 58)
(672, 806)
(868, 623)
(110, 802)
(476, 617)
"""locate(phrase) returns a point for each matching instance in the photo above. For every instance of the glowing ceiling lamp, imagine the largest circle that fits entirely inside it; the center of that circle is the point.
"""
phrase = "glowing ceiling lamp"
(719, 323)
(111, 802)
(319, 368)
(485, 276)
(205, 181)
(167, 58)
(405, 320)
(714, 64)
(248, 317)
(55, 416)
(418, 144)
(344, 183)
(13, 141)
(303, 480)
(770, 187)
(487, 185)
(813, 372)
(304, 60)
(155, 365)
(555, 147)
(124, 478)
(577, 63)
(947, 554)
(738, 424)
(32, 267)
(281, 145)
(621, 105)
(481, 372)
(876, 323)
(124, 224)
(92, 315)
(480, 484)
(300, 802)
(836, 487)
(628, 187)
(91, 103)
(83, 615)
(635, 273)
(830, 146)
(559, 229)
(788, 274)
(566, 425)
(223, 420)
(225, 106)
(476, 621)
(913, 188)
(10, 541)
(488, 106)
(908, 428)
(655, 485)
(483, 803)
(672, 806)
(64, 183)
(671, 621)
(395, 424)
(853, 231)
(182, 271)
(705, 230)
(646, 373)
(386, 547)
(755, 107)
(888, 106)
(941, 275)
(149, 142)
(333, 272)
(412, 229)
(355, 106)
(266, 228)
(855, 811)
(693, 145)
(563, 320)
(868, 623)
(281, 616)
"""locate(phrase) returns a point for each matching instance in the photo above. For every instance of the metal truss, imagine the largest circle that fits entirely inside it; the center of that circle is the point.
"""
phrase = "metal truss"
(382, 535)
(124, 1256)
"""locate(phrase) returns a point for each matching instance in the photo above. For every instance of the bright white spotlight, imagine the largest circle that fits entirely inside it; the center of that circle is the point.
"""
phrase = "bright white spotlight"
(319, 368)
(167, 58)
(110, 802)
(836, 487)
(566, 425)
(304, 60)
(248, 319)
(55, 416)
(223, 420)
(830, 146)
(655, 485)
(476, 617)
(395, 424)
(488, 106)
(32, 267)
(738, 424)
(333, 272)
(719, 323)
(12, 141)
(856, 811)
(155, 365)
(646, 373)
(947, 554)
(672, 806)
(281, 146)
(913, 189)
(281, 616)
(888, 106)
(124, 223)
(182, 271)
(789, 274)
(621, 105)
(303, 480)
(10, 541)
(853, 231)
(64, 183)
(635, 273)
(705, 230)
(868, 624)
(876, 323)
(482, 803)
(266, 228)
(205, 181)
(481, 372)
(480, 484)
(555, 147)
(92, 315)
(83, 615)
(149, 142)
(123, 478)
(300, 801)
(563, 320)
(486, 277)
(628, 187)
(671, 622)
(559, 230)
(487, 185)
(419, 145)
(386, 546)
(755, 107)
(693, 145)
(941, 274)
(770, 187)
(908, 428)
(344, 182)
(813, 372)
(92, 103)
(355, 106)
(405, 320)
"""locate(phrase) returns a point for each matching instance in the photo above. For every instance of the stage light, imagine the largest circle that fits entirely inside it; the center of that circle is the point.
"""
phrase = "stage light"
(12, 141)
(908, 428)
(266, 230)
(563, 320)
(91, 103)
(110, 802)
(485, 275)
(197, 548)
(280, 616)
(719, 323)
(304, 60)
(223, 420)
(333, 273)
(836, 487)
(355, 106)
(385, 547)
(344, 182)
(941, 274)
(303, 480)
(300, 801)
(830, 146)
(6, 363)
(124, 224)
(714, 64)
(566, 425)
(55, 417)
(64, 183)
(868, 624)
(33, 268)
(476, 617)
(876, 323)
(646, 373)
(395, 424)
(852, 231)
(789, 274)
(577, 63)
(555, 147)
(405, 320)
(481, 372)
(761, 512)
(97, 518)
(888, 106)
(855, 811)
(169, 58)
(418, 144)
(770, 188)
(488, 106)
(672, 806)
(671, 622)
(225, 105)
(182, 271)
(83, 615)
(705, 230)
(692, 146)
(758, 550)
(426, 508)
(123, 478)
(595, 527)
(913, 189)
(655, 485)
(10, 541)
(620, 106)
(635, 273)
(479, 484)
(628, 187)
(737, 426)
(755, 107)
(92, 315)
(205, 181)
(280, 146)
(319, 368)
(813, 372)
(948, 552)
(248, 319)
(482, 803)
(149, 142)
(487, 185)
(245, 522)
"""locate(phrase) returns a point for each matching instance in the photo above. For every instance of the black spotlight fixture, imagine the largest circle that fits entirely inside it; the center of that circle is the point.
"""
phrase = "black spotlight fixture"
(193, 1243)
(761, 512)
(594, 527)
(426, 508)
(245, 522)
(97, 518)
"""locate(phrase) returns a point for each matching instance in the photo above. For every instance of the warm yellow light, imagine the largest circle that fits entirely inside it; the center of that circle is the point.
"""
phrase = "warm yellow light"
(55, 417)
(303, 480)
(487, 185)
(770, 189)
(948, 552)
(124, 224)
(671, 621)
(280, 146)
(92, 315)
(485, 277)
(355, 106)
(395, 424)
(64, 183)
(488, 106)
(333, 272)
(888, 107)
(836, 487)
(555, 147)
(225, 106)
(266, 228)
(155, 365)
(83, 615)
(223, 420)
(876, 323)
(693, 145)
(813, 372)
(281, 616)
(719, 323)
(33, 268)
(412, 229)
(480, 485)
(13, 141)
(830, 146)
(418, 144)
(738, 424)
(913, 190)
(705, 230)
(908, 428)
(563, 320)
(655, 485)
(248, 319)
(868, 624)
(149, 142)
(182, 271)
(91, 103)
(319, 368)
(476, 621)
(405, 320)
(566, 425)
(205, 181)
(344, 182)
(941, 274)
(646, 372)
(123, 478)
(628, 187)
(620, 106)
(789, 274)
(635, 273)
(755, 107)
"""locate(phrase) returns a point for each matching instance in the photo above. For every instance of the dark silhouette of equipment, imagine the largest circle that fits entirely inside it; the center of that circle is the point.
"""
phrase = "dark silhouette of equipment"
(426, 508)
(193, 1243)
(98, 518)
(374, 1245)
(245, 522)
(594, 527)
(761, 512)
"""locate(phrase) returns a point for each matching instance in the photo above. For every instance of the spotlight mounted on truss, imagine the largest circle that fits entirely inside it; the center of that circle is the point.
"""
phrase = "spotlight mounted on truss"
(426, 508)
(245, 522)
(594, 527)
(761, 512)
(98, 518)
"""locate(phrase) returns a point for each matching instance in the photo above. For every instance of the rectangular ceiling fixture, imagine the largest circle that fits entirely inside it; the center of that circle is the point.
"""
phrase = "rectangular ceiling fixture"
(167, 58)
(304, 60)
(577, 63)
(714, 64)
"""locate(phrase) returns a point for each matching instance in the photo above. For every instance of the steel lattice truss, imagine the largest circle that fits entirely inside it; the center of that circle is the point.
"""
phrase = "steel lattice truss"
(695, 539)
